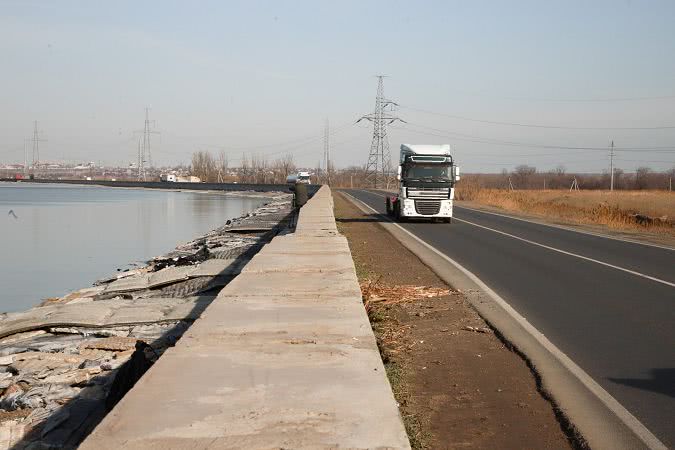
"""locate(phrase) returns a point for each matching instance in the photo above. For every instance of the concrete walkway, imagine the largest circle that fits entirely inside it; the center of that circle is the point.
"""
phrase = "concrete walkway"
(283, 358)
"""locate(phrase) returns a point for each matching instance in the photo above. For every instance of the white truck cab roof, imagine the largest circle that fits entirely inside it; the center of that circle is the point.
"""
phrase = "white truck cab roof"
(426, 149)
(431, 150)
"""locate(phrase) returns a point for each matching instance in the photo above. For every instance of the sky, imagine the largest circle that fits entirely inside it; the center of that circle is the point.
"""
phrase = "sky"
(544, 83)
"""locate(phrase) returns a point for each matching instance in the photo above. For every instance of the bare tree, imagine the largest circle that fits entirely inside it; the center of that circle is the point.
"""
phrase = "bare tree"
(222, 166)
(522, 175)
(245, 170)
(204, 166)
(287, 165)
(642, 175)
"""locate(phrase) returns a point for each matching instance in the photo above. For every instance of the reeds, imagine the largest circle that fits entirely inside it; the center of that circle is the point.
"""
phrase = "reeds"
(654, 210)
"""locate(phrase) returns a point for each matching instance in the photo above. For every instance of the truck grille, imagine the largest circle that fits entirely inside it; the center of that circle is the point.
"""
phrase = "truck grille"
(429, 193)
(427, 207)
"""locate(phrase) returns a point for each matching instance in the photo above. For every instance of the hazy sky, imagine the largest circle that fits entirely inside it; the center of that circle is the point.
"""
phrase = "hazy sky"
(262, 77)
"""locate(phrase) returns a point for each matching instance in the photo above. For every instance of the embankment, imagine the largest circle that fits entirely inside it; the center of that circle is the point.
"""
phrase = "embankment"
(64, 364)
(283, 358)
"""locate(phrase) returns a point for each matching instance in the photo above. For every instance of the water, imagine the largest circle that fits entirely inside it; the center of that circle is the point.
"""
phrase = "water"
(64, 237)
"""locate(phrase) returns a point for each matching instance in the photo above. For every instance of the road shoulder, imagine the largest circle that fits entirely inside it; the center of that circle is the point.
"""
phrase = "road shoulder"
(457, 383)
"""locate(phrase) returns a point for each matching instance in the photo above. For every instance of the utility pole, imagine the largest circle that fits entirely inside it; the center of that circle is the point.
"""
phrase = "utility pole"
(611, 167)
(378, 173)
(326, 152)
(25, 156)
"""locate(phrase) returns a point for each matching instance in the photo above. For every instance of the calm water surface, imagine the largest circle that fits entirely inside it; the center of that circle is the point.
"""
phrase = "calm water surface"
(65, 237)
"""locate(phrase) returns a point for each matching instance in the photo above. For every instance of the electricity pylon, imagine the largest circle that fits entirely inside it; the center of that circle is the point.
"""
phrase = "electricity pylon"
(144, 155)
(378, 169)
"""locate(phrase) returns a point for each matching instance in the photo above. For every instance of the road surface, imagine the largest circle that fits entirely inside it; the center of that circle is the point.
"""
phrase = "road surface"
(608, 304)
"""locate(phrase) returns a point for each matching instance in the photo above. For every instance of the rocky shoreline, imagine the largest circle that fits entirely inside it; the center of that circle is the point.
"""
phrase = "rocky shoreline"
(66, 363)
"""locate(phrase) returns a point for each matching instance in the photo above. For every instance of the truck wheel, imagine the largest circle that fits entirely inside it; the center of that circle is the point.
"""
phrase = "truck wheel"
(389, 212)
(399, 217)
(447, 220)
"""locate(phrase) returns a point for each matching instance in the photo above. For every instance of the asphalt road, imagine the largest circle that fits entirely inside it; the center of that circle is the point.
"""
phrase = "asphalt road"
(608, 304)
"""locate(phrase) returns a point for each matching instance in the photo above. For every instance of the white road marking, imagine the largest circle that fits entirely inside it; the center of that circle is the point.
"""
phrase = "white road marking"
(576, 255)
(566, 228)
(650, 440)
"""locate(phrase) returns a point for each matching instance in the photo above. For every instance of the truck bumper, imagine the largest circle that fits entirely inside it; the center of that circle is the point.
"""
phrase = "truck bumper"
(426, 208)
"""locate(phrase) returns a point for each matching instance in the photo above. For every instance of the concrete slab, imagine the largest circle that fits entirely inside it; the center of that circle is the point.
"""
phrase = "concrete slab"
(169, 275)
(254, 405)
(300, 262)
(215, 267)
(134, 283)
(293, 284)
(307, 244)
(104, 313)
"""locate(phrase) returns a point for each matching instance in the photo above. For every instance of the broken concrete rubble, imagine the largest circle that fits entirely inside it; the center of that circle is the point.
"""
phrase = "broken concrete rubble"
(61, 362)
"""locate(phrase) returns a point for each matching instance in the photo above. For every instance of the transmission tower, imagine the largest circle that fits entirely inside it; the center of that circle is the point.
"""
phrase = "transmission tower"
(36, 146)
(326, 152)
(144, 153)
(141, 161)
(378, 173)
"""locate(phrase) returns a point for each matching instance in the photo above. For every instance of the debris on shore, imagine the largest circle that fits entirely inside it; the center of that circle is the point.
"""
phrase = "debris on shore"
(376, 292)
(65, 363)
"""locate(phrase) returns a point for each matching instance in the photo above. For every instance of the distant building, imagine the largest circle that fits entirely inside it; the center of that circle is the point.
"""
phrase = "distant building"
(189, 179)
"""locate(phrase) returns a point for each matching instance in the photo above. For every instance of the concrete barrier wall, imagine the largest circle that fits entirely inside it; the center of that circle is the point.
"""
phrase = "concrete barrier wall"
(283, 358)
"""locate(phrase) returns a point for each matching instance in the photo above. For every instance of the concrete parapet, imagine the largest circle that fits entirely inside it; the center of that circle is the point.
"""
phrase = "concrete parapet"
(283, 358)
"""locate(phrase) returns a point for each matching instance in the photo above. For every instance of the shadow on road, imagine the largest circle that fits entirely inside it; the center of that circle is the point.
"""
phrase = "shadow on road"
(662, 381)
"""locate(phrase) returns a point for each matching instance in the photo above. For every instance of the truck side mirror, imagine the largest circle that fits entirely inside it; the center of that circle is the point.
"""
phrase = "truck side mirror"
(455, 173)
(398, 175)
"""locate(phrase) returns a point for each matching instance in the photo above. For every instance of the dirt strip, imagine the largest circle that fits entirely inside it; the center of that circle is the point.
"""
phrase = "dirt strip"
(457, 384)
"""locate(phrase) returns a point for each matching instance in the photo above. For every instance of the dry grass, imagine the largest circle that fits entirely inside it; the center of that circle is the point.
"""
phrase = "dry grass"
(375, 292)
(653, 210)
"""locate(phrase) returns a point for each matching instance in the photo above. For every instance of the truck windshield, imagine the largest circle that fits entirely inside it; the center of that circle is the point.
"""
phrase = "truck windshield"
(428, 171)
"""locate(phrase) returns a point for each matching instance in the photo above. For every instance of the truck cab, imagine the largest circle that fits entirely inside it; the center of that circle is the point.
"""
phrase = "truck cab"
(427, 175)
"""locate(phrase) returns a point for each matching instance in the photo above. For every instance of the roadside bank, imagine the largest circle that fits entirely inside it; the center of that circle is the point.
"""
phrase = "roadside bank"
(283, 358)
(458, 385)
(64, 364)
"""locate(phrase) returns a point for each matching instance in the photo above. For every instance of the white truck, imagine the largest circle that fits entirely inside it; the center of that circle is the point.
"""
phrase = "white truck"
(301, 177)
(427, 176)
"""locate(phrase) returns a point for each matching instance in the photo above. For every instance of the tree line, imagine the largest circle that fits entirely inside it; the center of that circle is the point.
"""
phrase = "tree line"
(251, 169)
(256, 169)
(528, 177)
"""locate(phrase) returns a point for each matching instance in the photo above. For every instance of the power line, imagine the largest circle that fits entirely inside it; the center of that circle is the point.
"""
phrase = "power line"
(646, 161)
(303, 140)
(572, 100)
(530, 125)
(482, 140)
